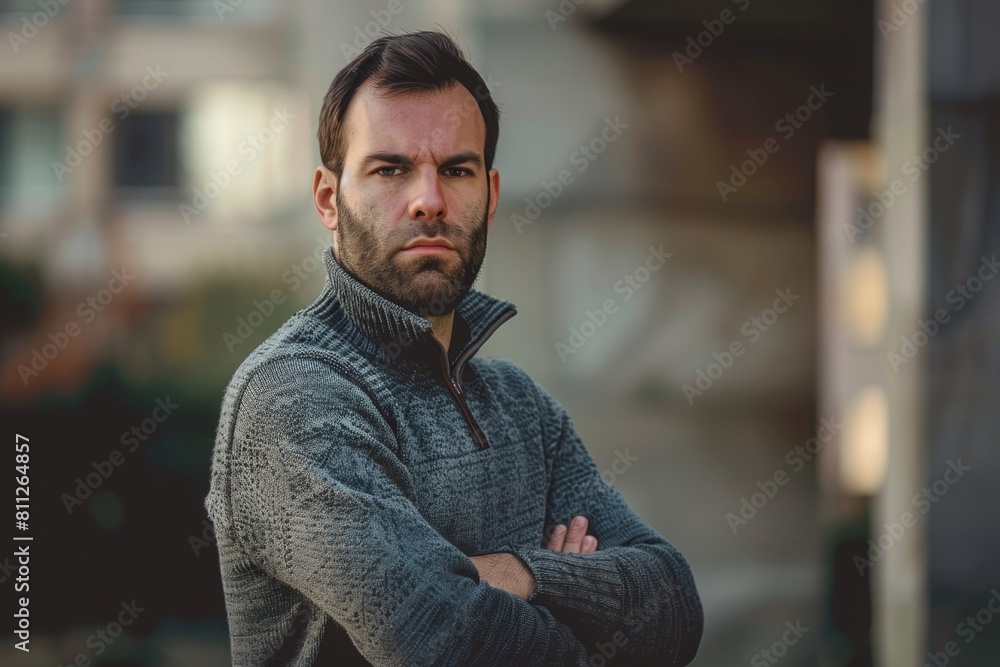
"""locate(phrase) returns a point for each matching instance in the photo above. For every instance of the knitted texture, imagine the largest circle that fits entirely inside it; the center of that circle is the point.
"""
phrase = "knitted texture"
(357, 466)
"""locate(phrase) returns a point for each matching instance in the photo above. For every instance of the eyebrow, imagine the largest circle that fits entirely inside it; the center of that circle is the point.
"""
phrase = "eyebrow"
(400, 159)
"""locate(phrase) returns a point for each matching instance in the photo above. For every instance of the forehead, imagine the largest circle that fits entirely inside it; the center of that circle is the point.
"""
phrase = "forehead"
(413, 123)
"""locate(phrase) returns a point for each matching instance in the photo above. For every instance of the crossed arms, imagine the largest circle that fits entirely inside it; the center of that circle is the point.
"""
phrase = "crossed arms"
(509, 573)
(325, 506)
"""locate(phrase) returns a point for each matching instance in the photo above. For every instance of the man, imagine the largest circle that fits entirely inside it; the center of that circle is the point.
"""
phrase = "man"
(381, 495)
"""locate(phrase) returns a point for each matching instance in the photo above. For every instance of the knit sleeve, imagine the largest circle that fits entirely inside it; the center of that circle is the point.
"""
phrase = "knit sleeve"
(636, 595)
(322, 502)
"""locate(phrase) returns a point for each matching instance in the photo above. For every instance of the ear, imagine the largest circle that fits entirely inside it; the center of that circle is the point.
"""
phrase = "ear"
(494, 177)
(325, 184)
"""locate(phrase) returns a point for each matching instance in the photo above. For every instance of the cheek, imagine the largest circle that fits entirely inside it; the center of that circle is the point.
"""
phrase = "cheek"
(385, 205)
(466, 196)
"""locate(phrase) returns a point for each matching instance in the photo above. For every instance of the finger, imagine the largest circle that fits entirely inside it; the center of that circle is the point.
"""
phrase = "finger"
(589, 545)
(557, 538)
(575, 534)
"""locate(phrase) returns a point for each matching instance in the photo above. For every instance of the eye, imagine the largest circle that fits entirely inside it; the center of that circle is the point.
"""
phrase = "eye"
(458, 171)
(381, 171)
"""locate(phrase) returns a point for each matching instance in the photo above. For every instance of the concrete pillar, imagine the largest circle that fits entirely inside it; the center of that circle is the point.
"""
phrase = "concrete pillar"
(900, 130)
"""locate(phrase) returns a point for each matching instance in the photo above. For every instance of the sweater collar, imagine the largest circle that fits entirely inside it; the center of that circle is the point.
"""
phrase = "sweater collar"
(386, 325)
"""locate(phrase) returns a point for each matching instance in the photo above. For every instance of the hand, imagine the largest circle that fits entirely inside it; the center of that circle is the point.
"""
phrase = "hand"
(575, 540)
(506, 572)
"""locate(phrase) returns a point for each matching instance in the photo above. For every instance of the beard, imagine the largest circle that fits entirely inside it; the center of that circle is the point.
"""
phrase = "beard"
(427, 285)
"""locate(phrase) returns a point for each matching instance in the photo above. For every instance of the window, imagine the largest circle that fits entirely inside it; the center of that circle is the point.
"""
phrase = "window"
(31, 143)
(145, 155)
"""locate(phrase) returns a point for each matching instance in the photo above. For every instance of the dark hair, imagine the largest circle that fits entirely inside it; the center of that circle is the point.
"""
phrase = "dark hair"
(420, 61)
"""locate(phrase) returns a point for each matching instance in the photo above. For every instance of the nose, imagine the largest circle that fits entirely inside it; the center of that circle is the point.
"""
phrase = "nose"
(427, 203)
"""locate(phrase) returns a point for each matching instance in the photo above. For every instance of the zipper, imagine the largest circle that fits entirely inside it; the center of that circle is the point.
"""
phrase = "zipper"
(477, 432)
(455, 387)
(454, 381)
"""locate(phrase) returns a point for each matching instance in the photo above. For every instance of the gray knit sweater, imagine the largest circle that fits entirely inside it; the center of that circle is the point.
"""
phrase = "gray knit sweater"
(357, 466)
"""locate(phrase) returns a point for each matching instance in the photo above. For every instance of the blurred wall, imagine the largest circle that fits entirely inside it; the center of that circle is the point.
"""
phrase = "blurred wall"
(963, 390)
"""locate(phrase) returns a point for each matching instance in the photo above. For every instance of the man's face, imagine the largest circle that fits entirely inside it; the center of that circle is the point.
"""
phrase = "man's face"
(414, 173)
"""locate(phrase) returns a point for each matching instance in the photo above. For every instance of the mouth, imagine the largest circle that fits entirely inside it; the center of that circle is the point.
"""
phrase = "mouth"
(428, 246)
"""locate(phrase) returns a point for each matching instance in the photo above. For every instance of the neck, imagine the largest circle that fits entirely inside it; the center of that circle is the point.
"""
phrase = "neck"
(441, 326)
